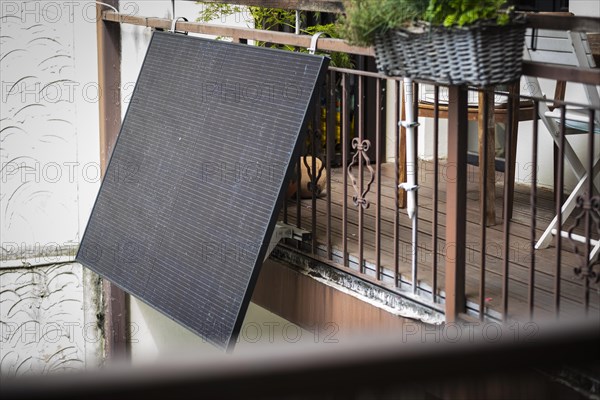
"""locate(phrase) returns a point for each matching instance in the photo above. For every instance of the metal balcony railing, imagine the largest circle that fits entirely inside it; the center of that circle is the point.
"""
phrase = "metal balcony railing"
(466, 261)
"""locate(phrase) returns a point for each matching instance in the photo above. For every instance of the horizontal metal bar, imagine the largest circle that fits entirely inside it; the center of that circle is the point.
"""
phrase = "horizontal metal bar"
(363, 73)
(325, 44)
(563, 23)
(562, 73)
(574, 236)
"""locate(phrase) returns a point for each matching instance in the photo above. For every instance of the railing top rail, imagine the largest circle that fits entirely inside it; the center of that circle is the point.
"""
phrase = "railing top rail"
(291, 39)
(563, 23)
(573, 74)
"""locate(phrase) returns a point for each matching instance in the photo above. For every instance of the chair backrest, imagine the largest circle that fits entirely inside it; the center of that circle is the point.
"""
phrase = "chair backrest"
(564, 48)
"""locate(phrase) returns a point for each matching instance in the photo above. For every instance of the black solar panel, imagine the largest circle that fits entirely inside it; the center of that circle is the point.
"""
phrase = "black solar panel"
(190, 197)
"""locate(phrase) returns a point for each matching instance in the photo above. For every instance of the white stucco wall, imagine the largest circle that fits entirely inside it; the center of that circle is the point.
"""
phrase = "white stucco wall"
(49, 177)
(589, 8)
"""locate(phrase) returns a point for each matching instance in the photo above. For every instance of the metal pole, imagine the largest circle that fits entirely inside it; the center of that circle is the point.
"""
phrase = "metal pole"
(411, 164)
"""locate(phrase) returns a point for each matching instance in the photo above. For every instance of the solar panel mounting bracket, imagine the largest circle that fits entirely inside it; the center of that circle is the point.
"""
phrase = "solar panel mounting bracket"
(174, 24)
(286, 231)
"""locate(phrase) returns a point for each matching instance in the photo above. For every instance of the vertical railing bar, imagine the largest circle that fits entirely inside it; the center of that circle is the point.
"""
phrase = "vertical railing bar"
(436, 167)
(415, 224)
(456, 204)
(285, 206)
(483, 203)
(398, 131)
(588, 220)
(361, 110)
(534, 159)
(508, 162)
(331, 130)
(344, 165)
(378, 178)
(314, 141)
(299, 189)
(559, 201)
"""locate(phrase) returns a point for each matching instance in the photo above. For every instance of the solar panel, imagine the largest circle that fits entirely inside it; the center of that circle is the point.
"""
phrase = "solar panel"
(190, 196)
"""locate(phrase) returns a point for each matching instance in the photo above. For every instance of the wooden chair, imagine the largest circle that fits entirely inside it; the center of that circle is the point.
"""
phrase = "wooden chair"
(550, 47)
(498, 113)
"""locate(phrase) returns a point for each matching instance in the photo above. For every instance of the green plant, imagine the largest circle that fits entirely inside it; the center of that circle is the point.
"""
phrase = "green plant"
(266, 18)
(465, 12)
(366, 18)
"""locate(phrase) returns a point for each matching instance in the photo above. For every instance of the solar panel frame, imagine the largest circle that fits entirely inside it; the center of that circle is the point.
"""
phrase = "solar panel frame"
(93, 245)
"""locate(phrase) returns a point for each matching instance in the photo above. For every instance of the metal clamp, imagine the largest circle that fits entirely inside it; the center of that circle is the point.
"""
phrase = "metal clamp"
(285, 231)
(406, 124)
(408, 187)
(174, 23)
(313, 42)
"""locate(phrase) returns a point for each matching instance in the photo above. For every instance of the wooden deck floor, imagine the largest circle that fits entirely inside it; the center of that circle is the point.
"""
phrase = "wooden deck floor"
(571, 287)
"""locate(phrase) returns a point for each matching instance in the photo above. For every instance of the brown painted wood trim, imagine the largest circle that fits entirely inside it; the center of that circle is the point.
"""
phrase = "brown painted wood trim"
(109, 81)
(311, 304)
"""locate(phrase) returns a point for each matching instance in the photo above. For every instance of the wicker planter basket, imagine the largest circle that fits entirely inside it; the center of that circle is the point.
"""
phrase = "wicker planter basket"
(480, 55)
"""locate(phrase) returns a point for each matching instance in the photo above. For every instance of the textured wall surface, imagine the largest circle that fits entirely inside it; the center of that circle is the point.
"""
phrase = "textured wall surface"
(39, 90)
(49, 174)
(42, 320)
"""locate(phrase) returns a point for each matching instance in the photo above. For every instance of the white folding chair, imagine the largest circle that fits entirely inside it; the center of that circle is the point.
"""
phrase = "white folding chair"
(566, 48)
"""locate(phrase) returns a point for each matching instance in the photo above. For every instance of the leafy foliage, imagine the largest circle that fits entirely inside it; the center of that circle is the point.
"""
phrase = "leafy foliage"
(212, 11)
(365, 18)
(266, 18)
(465, 12)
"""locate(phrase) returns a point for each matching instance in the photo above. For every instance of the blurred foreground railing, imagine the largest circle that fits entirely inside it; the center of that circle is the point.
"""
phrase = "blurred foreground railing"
(461, 362)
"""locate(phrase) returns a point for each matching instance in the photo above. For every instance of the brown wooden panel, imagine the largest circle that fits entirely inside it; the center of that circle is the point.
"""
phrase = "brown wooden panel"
(308, 303)
(109, 81)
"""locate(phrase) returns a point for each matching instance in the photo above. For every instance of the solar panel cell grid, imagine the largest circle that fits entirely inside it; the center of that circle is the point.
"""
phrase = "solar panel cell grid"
(190, 195)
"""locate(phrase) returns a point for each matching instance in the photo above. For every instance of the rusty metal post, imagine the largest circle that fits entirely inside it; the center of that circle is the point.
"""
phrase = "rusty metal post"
(456, 206)
(109, 81)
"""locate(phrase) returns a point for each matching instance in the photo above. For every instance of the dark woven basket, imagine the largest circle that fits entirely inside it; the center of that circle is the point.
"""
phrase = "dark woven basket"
(480, 55)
